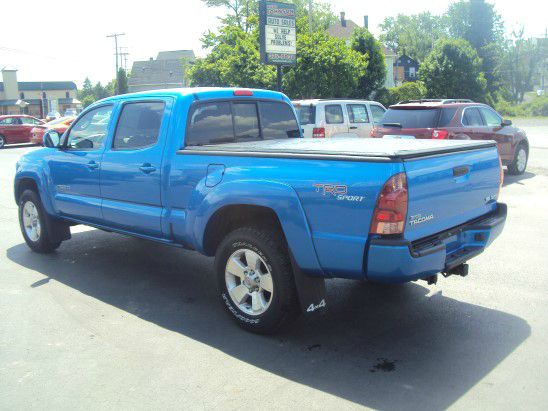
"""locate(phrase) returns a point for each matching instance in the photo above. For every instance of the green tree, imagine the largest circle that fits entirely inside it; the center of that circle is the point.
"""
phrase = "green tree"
(326, 68)
(234, 61)
(413, 35)
(519, 64)
(87, 88)
(238, 13)
(121, 81)
(453, 70)
(478, 23)
(372, 78)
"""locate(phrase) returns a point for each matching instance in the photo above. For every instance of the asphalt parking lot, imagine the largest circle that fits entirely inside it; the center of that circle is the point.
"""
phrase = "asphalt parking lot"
(110, 322)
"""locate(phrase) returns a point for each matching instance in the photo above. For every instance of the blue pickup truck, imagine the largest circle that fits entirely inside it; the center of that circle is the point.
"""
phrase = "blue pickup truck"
(227, 173)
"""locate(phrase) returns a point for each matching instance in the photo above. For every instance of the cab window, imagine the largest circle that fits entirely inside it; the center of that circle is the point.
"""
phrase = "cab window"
(210, 123)
(139, 125)
(278, 121)
(89, 132)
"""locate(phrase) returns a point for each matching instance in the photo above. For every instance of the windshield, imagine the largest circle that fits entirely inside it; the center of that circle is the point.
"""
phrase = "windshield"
(306, 114)
(411, 118)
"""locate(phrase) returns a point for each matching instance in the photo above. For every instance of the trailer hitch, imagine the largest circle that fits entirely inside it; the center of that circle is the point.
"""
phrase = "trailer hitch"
(461, 270)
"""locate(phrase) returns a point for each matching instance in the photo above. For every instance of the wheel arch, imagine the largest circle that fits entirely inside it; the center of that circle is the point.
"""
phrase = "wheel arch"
(254, 202)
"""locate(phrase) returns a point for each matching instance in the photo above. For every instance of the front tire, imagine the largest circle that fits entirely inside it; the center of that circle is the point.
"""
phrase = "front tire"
(255, 279)
(519, 164)
(2, 141)
(33, 223)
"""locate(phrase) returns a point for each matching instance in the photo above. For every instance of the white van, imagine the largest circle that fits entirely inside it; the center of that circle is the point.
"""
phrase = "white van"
(338, 118)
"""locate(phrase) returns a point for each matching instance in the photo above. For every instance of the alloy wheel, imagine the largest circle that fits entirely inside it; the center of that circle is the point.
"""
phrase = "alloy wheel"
(249, 282)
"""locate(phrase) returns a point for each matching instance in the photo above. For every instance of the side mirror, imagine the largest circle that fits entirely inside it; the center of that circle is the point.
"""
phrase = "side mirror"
(51, 139)
(506, 123)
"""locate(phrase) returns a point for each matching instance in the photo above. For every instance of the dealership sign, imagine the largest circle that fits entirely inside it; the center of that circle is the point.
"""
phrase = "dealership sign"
(278, 35)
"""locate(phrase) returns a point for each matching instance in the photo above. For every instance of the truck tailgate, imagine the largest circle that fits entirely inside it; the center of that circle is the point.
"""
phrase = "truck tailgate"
(448, 190)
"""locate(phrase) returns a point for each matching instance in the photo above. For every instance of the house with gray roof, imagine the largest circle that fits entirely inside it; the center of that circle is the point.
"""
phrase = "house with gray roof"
(167, 71)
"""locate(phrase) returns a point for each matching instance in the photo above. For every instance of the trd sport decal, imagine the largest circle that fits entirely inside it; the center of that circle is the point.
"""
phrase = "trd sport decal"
(339, 191)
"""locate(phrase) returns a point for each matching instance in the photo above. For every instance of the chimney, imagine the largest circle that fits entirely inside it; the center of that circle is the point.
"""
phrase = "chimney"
(343, 21)
(366, 22)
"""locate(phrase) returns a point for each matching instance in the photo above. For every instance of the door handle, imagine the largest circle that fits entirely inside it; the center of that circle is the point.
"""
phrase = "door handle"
(147, 168)
(92, 165)
(353, 127)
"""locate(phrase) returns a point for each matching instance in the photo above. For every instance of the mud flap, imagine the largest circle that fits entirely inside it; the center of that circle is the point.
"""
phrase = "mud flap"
(311, 291)
(58, 230)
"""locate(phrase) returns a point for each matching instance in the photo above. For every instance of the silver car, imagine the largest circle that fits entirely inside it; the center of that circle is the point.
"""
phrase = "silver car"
(338, 118)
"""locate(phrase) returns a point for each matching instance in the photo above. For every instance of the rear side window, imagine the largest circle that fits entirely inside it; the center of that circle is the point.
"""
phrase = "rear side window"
(446, 116)
(412, 118)
(278, 121)
(334, 114)
(357, 113)
(306, 114)
(472, 117)
(492, 119)
(377, 112)
(210, 123)
(227, 122)
(139, 125)
(246, 123)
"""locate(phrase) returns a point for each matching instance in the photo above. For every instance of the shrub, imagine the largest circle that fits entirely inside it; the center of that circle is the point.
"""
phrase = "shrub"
(534, 108)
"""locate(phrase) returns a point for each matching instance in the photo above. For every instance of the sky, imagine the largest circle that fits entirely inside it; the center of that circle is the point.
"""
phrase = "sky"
(69, 43)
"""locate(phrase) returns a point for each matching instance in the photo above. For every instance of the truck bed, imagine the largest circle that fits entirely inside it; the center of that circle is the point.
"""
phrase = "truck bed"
(349, 149)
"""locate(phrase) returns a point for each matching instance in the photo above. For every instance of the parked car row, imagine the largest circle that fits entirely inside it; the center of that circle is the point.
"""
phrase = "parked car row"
(20, 129)
(438, 119)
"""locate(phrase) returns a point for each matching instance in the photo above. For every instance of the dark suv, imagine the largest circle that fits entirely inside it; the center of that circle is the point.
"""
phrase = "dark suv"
(457, 120)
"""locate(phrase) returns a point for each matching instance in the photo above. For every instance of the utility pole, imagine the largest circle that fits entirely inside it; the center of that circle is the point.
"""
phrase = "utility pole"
(116, 35)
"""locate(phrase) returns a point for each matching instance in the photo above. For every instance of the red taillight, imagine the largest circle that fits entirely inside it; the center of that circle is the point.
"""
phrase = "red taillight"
(391, 210)
(373, 132)
(440, 134)
(243, 92)
(318, 132)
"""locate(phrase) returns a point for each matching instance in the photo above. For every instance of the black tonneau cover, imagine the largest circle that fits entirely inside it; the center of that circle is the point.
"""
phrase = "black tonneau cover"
(354, 149)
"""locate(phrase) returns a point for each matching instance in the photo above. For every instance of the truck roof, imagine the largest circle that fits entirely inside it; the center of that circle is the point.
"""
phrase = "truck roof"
(201, 93)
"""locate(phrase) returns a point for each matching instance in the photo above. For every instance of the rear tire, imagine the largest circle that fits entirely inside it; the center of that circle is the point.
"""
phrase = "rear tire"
(255, 279)
(2, 141)
(519, 164)
(34, 224)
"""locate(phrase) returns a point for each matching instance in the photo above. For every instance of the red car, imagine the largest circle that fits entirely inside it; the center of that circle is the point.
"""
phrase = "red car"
(16, 129)
(60, 125)
(457, 120)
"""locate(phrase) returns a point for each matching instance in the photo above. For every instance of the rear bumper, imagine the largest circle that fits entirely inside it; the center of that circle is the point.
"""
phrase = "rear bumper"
(399, 261)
